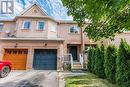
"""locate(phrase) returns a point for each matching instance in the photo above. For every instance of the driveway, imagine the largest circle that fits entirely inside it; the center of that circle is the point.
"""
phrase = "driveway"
(31, 78)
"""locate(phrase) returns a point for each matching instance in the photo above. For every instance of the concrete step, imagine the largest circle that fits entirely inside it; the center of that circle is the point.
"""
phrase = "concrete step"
(79, 65)
(76, 63)
(76, 67)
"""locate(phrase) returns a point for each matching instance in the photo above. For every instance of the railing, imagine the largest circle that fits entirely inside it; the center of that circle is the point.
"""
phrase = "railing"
(71, 60)
(81, 59)
(68, 58)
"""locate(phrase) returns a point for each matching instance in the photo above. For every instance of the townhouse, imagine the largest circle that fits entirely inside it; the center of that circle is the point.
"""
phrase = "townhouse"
(34, 40)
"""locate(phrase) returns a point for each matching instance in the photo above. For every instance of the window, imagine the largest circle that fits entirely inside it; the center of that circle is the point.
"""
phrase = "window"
(26, 24)
(74, 29)
(40, 25)
(1, 26)
(16, 25)
(53, 28)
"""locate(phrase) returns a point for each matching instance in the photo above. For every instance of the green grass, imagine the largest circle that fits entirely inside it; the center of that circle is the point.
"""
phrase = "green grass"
(88, 80)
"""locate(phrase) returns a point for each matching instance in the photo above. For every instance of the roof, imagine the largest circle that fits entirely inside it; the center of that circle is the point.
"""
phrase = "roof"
(28, 8)
(47, 16)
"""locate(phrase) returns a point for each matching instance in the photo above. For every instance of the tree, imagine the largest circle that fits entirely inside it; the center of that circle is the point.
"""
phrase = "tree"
(93, 59)
(99, 61)
(110, 63)
(123, 67)
(89, 59)
(106, 17)
(102, 61)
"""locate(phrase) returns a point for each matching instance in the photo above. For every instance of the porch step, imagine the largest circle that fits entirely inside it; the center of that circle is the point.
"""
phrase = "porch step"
(76, 66)
(76, 63)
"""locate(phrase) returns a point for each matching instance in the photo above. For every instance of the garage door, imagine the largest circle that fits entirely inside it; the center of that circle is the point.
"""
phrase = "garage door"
(17, 57)
(45, 59)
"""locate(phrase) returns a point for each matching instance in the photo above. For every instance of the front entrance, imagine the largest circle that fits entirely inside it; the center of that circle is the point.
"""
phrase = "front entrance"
(73, 51)
(45, 59)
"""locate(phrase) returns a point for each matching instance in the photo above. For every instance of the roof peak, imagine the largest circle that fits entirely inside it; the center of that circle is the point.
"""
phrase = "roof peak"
(30, 6)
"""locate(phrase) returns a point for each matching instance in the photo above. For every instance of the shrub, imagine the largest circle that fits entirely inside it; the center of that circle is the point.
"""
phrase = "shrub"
(123, 67)
(99, 62)
(102, 60)
(89, 59)
(110, 63)
(93, 60)
(67, 66)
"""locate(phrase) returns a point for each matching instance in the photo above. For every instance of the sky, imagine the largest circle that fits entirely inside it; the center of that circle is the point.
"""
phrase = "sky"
(53, 8)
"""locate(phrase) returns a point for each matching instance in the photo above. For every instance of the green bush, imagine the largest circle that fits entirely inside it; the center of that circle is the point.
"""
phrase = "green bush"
(123, 67)
(102, 61)
(93, 60)
(110, 63)
(67, 66)
(99, 62)
(89, 59)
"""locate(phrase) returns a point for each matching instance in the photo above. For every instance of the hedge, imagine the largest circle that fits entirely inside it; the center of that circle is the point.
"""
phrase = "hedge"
(110, 63)
(93, 59)
(99, 61)
(114, 65)
(123, 65)
(89, 59)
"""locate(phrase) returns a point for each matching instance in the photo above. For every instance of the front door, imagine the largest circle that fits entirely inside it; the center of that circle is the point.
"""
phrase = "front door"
(73, 51)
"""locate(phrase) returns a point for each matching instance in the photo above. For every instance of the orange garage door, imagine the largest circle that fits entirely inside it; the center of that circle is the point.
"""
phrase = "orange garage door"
(17, 57)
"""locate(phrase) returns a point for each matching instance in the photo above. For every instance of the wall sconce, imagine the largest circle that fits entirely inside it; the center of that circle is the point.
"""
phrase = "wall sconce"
(44, 44)
(16, 45)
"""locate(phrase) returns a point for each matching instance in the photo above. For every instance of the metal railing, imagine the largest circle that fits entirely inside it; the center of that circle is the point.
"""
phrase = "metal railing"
(81, 59)
(68, 58)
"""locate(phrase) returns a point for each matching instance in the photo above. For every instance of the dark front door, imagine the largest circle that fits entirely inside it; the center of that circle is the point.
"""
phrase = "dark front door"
(45, 59)
(73, 51)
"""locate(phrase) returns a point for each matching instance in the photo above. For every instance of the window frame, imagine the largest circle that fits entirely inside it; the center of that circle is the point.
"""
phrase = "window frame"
(24, 24)
(78, 31)
(38, 25)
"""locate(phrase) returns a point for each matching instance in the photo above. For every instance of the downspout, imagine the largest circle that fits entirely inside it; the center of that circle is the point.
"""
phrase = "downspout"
(82, 41)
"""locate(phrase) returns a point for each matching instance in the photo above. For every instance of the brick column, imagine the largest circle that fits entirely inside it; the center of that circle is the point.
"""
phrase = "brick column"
(29, 64)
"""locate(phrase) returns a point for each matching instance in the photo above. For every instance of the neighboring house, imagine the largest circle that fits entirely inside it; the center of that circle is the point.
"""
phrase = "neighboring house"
(125, 35)
(33, 40)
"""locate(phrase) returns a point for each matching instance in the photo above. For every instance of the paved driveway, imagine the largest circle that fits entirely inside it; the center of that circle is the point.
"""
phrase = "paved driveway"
(30, 79)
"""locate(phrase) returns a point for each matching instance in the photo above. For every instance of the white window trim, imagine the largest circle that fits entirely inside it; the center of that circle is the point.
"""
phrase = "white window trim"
(73, 32)
(3, 26)
(23, 25)
(38, 24)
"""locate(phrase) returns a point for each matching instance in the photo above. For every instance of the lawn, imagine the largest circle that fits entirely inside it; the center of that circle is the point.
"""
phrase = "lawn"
(88, 80)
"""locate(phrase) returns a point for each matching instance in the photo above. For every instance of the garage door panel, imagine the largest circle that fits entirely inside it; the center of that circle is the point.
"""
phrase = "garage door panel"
(45, 59)
(17, 57)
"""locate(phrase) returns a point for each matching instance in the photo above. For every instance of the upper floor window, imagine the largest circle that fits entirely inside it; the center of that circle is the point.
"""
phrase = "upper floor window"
(53, 28)
(26, 24)
(16, 25)
(1, 26)
(40, 25)
(74, 29)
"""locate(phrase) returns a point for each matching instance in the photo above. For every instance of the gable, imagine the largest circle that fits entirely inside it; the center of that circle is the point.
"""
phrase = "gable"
(34, 10)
